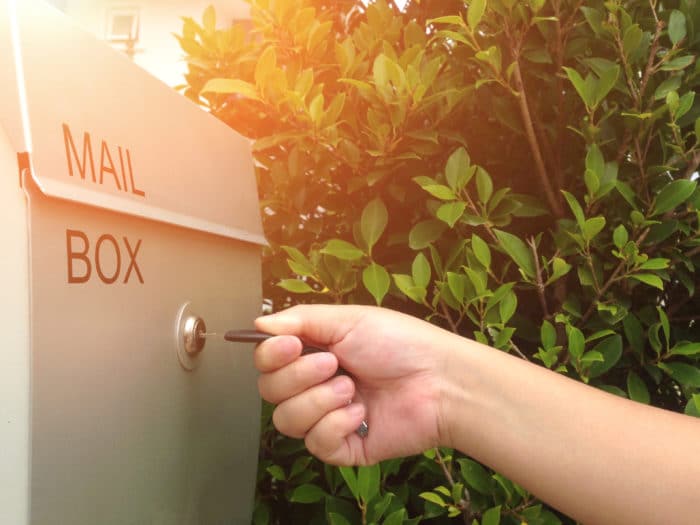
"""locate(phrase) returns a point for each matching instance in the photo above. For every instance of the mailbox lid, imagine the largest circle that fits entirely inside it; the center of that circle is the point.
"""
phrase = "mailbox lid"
(145, 151)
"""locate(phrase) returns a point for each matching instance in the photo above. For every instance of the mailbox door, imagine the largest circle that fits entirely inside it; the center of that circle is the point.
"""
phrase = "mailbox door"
(121, 432)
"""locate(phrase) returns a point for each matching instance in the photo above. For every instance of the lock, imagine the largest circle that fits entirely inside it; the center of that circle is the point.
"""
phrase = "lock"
(193, 333)
(190, 337)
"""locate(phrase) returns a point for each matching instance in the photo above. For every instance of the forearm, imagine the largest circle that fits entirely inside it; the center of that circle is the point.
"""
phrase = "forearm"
(597, 457)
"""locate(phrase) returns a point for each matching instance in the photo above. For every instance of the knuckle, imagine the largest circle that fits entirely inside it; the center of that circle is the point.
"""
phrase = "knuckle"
(266, 389)
(283, 423)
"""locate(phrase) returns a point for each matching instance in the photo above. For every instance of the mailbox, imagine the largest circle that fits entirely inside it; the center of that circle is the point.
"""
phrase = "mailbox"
(128, 213)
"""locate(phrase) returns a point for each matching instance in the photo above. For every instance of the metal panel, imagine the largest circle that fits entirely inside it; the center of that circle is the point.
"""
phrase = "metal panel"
(106, 133)
(121, 433)
(104, 425)
(14, 351)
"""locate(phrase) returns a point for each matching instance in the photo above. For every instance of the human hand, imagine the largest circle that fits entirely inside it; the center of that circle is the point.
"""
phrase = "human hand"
(397, 365)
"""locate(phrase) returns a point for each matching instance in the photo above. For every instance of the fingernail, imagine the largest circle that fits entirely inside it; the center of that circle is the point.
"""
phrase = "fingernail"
(342, 386)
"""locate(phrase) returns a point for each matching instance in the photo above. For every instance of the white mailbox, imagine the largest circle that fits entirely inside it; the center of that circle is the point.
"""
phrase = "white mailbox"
(126, 209)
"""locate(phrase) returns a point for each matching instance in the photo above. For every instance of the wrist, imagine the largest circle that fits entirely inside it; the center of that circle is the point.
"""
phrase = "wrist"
(461, 376)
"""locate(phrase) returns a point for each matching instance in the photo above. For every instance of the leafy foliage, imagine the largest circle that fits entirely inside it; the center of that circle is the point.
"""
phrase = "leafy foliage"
(522, 173)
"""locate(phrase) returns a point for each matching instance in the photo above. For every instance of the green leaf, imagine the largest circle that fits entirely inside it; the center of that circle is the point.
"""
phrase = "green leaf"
(229, 86)
(599, 335)
(678, 63)
(491, 56)
(337, 519)
(350, 478)
(475, 13)
(484, 185)
(583, 89)
(592, 182)
(548, 335)
(507, 306)
(658, 263)
(518, 251)
(316, 109)
(376, 280)
(627, 193)
(209, 19)
(632, 39)
(620, 237)
(665, 325)
(592, 227)
(559, 268)
(575, 208)
(295, 286)
(395, 518)
(649, 279)
(425, 233)
(451, 212)
(440, 191)
(611, 348)
(634, 333)
(676, 26)
(637, 389)
(576, 341)
(373, 222)
(492, 516)
(592, 357)
(476, 476)
(342, 250)
(673, 194)
(457, 285)
(594, 18)
(693, 406)
(687, 349)
(276, 472)
(406, 285)
(686, 375)
(457, 172)
(481, 251)
(265, 66)
(685, 103)
(478, 279)
(421, 270)
(368, 480)
(307, 493)
(607, 81)
(450, 19)
(668, 85)
(433, 498)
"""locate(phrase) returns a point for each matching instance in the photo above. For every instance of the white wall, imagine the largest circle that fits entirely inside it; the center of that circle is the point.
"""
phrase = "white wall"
(157, 50)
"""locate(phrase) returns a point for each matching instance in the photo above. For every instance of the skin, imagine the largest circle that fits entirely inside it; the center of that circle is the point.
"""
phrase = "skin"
(594, 456)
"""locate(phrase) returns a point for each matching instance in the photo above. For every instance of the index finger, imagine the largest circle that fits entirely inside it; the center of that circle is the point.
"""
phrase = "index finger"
(318, 323)
(276, 352)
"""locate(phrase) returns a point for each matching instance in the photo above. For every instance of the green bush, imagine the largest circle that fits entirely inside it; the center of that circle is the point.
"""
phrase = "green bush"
(522, 173)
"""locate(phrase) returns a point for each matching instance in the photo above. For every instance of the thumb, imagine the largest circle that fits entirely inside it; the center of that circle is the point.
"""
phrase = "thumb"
(319, 323)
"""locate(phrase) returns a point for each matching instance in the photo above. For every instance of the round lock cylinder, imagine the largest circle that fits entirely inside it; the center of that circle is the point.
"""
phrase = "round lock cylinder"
(193, 333)
(190, 338)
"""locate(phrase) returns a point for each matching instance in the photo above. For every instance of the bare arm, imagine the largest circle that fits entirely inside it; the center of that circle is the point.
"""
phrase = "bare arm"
(595, 456)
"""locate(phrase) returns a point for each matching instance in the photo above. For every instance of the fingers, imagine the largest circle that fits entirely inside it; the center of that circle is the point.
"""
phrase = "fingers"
(295, 416)
(276, 352)
(299, 375)
(333, 438)
(322, 324)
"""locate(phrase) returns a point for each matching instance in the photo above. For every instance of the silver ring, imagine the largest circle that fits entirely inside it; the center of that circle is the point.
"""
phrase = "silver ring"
(363, 429)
